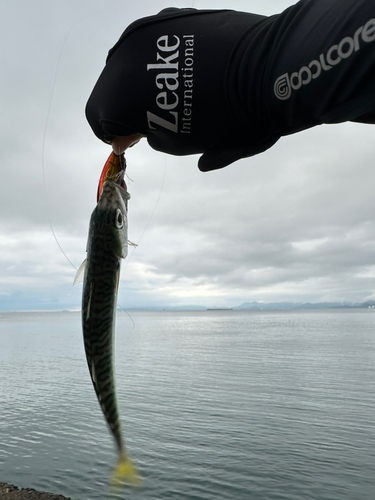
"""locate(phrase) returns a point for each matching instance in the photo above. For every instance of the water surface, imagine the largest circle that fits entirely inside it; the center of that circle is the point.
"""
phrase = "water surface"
(215, 405)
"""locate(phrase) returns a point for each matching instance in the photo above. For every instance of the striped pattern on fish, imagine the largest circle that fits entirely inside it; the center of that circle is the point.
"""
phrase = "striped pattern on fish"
(107, 245)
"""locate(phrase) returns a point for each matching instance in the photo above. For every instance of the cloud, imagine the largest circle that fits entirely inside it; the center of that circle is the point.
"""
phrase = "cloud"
(295, 222)
(273, 225)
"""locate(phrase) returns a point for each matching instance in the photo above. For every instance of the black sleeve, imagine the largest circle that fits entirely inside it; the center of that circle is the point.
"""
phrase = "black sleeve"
(229, 84)
(322, 71)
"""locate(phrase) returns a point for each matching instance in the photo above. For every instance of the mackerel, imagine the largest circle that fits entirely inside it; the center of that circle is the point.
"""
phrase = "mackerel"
(107, 244)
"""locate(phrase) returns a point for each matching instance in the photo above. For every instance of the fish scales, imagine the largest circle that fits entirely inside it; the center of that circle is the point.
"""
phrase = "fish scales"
(106, 246)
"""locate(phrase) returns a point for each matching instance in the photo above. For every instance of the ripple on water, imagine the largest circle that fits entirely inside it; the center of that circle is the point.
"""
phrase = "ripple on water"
(213, 407)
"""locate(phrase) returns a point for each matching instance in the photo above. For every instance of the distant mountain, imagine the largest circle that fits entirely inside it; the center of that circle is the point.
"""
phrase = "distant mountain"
(258, 306)
(370, 304)
(304, 305)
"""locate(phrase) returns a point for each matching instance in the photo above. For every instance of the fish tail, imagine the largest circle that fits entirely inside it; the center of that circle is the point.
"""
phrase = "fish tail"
(125, 473)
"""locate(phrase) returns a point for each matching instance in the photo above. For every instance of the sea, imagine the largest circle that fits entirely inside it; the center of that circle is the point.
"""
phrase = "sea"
(215, 405)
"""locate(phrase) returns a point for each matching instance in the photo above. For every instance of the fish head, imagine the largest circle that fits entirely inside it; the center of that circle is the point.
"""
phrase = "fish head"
(110, 217)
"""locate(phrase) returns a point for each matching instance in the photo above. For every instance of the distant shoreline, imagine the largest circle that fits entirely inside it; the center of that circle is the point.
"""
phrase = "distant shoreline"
(220, 309)
(11, 492)
(246, 306)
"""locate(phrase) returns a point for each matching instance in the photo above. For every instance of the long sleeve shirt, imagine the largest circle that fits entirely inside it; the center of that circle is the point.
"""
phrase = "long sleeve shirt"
(229, 84)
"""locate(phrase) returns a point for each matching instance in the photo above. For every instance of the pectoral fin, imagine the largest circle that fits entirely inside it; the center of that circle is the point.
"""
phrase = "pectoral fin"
(80, 273)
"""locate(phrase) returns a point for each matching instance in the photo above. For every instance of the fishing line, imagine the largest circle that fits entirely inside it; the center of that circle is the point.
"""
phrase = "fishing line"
(125, 311)
(157, 201)
(46, 199)
(144, 229)
(152, 213)
(43, 159)
(44, 173)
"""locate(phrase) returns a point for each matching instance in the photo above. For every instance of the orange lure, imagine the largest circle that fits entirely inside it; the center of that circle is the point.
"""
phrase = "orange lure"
(113, 170)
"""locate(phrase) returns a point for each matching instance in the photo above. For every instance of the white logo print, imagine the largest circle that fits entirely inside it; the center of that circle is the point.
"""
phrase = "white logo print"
(174, 113)
(285, 84)
(282, 87)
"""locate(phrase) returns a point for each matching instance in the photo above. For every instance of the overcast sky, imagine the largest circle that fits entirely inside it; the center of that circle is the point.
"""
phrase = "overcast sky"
(295, 223)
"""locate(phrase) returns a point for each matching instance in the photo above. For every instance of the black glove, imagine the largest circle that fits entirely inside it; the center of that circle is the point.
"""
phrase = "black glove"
(228, 84)
(175, 78)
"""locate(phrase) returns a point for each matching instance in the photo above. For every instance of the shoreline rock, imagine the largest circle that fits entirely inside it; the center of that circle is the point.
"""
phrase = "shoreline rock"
(11, 492)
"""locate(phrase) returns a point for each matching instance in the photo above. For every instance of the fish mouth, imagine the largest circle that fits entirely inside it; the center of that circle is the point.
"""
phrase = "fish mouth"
(113, 170)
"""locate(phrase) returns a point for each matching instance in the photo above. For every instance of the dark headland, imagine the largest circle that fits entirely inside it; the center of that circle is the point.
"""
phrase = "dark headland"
(10, 492)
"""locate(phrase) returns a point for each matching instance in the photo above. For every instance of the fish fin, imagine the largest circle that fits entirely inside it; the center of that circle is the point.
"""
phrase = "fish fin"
(80, 273)
(93, 372)
(125, 473)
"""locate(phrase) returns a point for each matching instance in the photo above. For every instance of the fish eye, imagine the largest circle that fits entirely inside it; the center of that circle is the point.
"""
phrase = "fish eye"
(119, 219)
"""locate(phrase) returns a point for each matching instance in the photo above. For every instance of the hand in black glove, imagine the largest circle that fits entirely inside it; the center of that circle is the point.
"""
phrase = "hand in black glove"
(228, 84)
(173, 79)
